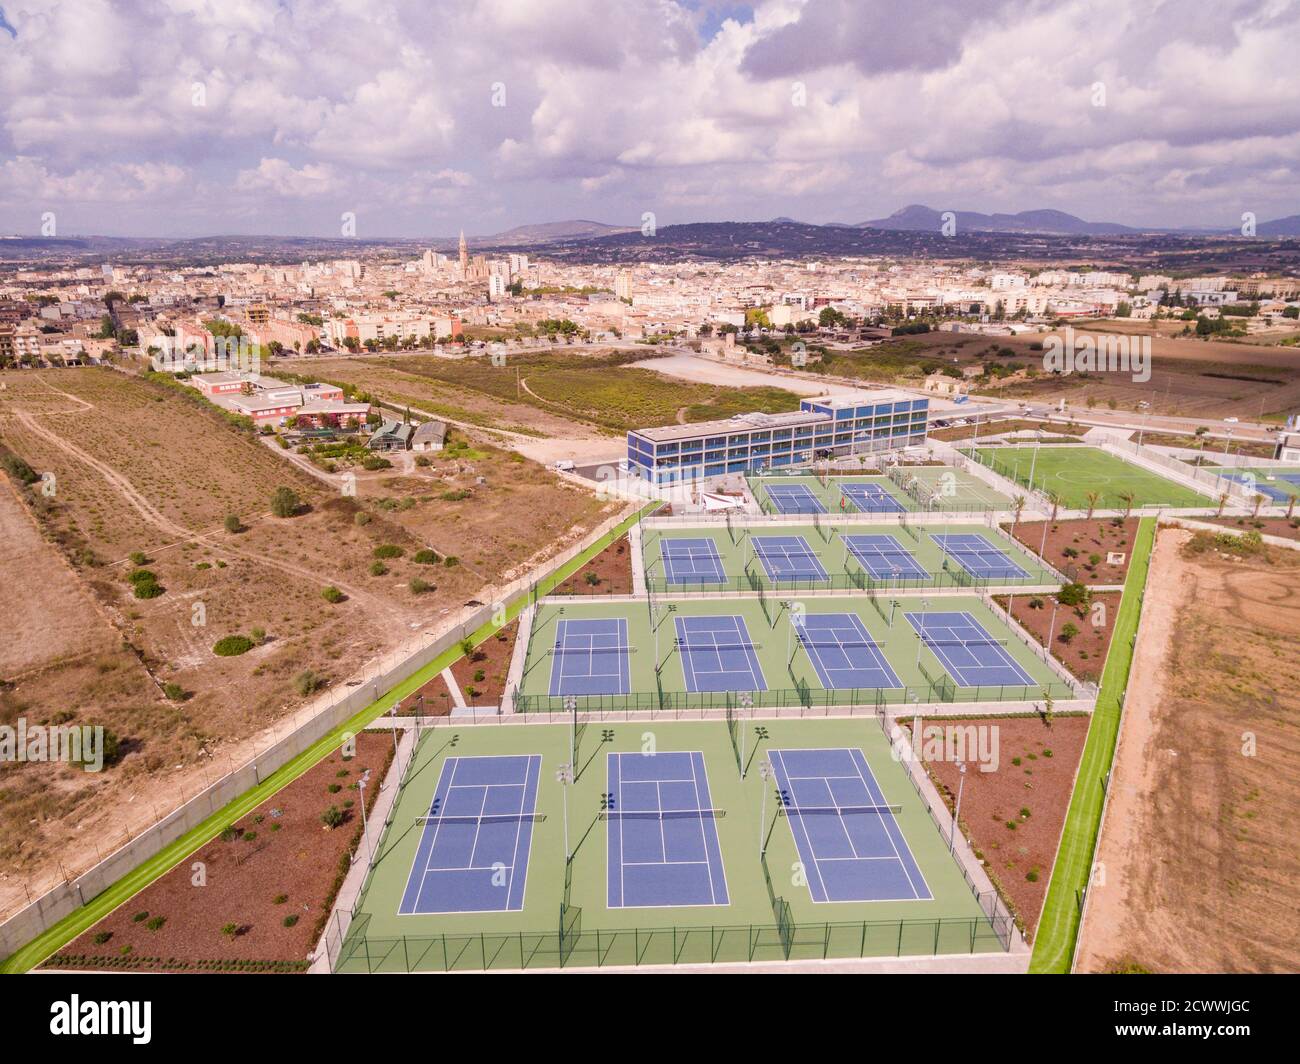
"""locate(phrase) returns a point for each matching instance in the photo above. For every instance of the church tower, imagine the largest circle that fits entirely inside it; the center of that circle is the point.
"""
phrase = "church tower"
(464, 255)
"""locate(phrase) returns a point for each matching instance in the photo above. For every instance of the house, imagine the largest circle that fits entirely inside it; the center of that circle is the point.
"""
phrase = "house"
(392, 436)
(429, 436)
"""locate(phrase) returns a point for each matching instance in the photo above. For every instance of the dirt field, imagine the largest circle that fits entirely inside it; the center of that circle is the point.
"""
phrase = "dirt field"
(1013, 816)
(608, 573)
(281, 863)
(1198, 866)
(140, 469)
(482, 676)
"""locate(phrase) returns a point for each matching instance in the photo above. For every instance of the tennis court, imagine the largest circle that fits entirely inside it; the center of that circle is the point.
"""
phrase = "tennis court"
(691, 561)
(794, 499)
(978, 556)
(589, 657)
(663, 847)
(967, 651)
(883, 556)
(473, 853)
(787, 558)
(1276, 485)
(717, 654)
(843, 653)
(871, 498)
(847, 836)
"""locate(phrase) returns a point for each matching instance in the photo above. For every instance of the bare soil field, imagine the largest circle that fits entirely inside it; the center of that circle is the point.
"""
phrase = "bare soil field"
(1198, 866)
(1189, 378)
(139, 469)
(1100, 536)
(1013, 816)
(264, 891)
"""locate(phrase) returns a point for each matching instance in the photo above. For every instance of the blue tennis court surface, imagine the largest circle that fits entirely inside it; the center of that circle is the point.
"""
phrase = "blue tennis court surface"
(978, 556)
(883, 557)
(1263, 486)
(843, 652)
(691, 561)
(849, 843)
(967, 651)
(473, 855)
(663, 845)
(794, 499)
(872, 498)
(590, 658)
(717, 654)
(787, 558)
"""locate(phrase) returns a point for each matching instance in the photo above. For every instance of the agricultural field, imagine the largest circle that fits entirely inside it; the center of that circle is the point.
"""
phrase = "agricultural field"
(558, 393)
(221, 618)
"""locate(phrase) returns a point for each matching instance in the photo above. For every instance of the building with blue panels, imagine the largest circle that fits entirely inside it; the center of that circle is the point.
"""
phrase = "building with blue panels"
(752, 443)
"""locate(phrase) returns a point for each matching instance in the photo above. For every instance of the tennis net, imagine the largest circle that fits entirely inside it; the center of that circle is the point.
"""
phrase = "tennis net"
(486, 818)
(839, 810)
(662, 814)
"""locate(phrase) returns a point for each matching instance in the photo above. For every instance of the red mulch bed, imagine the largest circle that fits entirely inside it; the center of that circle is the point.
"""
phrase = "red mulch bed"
(1085, 653)
(280, 849)
(611, 568)
(431, 700)
(1268, 526)
(1036, 766)
(1100, 535)
(492, 659)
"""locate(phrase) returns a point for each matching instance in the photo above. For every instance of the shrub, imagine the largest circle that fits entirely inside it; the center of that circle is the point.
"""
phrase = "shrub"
(138, 557)
(451, 561)
(361, 518)
(18, 469)
(140, 917)
(174, 691)
(332, 817)
(102, 937)
(374, 461)
(479, 675)
(228, 833)
(378, 568)
(280, 899)
(147, 589)
(258, 635)
(419, 587)
(290, 920)
(156, 923)
(307, 682)
(285, 502)
(425, 557)
(332, 594)
(592, 579)
(388, 550)
(1068, 632)
(1073, 595)
(233, 523)
(229, 930)
(232, 646)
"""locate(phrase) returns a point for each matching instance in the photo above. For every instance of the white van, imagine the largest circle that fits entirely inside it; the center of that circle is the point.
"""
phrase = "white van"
(564, 466)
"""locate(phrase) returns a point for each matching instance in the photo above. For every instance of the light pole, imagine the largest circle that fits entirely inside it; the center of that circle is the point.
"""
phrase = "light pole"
(393, 711)
(893, 605)
(1051, 627)
(571, 706)
(564, 776)
(920, 636)
(746, 701)
(956, 812)
(1033, 464)
(765, 774)
(361, 794)
(1146, 406)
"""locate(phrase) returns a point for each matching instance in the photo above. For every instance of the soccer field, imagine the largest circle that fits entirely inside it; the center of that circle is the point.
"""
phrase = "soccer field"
(1070, 473)
(707, 863)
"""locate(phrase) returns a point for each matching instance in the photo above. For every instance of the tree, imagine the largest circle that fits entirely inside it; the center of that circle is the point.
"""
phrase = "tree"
(285, 502)
(1092, 498)
(233, 524)
(1127, 497)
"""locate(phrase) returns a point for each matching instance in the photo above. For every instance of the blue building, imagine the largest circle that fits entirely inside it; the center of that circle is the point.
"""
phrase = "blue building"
(751, 443)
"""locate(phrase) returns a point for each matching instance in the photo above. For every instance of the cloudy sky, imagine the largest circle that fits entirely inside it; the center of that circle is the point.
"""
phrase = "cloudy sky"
(190, 117)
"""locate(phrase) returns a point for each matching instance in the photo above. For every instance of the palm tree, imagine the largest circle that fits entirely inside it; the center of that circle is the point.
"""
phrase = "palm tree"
(1290, 507)
(1254, 512)
(1127, 497)
(1223, 501)
(1092, 497)
(1017, 506)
